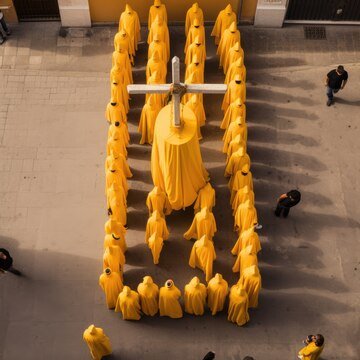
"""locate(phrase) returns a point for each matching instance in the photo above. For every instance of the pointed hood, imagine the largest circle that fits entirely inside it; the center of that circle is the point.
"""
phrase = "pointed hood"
(233, 27)
(194, 282)
(228, 9)
(196, 22)
(218, 277)
(128, 9)
(157, 3)
(238, 102)
(205, 212)
(156, 56)
(197, 40)
(92, 330)
(248, 250)
(147, 280)
(126, 291)
(245, 169)
(237, 79)
(237, 46)
(239, 62)
(195, 7)
(241, 291)
(123, 32)
(239, 120)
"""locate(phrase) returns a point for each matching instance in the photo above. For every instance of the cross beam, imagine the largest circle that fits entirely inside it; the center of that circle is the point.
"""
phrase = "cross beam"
(166, 88)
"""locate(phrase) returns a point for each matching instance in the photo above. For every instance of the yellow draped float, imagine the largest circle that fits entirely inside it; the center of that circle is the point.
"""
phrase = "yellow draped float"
(176, 162)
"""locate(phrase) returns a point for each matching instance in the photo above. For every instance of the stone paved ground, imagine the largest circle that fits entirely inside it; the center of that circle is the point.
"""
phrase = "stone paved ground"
(52, 131)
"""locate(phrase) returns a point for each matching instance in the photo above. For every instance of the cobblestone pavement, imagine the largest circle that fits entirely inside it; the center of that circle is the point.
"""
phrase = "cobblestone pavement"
(52, 210)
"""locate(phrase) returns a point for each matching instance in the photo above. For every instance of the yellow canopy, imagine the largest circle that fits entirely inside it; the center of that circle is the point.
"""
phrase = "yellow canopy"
(176, 162)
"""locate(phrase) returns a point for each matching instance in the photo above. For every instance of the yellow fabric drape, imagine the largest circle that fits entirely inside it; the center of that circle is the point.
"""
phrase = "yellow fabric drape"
(196, 30)
(223, 21)
(202, 256)
(195, 297)
(217, 291)
(197, 107)
(160, 31)
(169, 301)
(247, 257)
(236, 68)
(121, 59)
(242, 195)
(123, 41)
(236, 89)
(160, 47)
(112, 285)
(176, 163)
(247, 238)
(119, 131)
(238, 305)
(98, 343)
(237, 127)
(128, 303)
(251, 281)
(114, 259)
(155, 63)
(193, 13)
(240, 179)
(237, 160)
(115, 112)
(149, 296)
(235, 144)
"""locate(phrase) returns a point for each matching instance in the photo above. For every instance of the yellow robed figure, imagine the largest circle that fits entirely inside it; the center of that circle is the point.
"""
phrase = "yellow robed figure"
(236, 109)
(241, 178)
(229, 38)
(195, 297)
(114, 227)
(223, 21)
(246, 238)
(217, 291)
(129, 20)
(149, 296)
(236, 89)
(158, 9)
(238, 305)
(128, 303)
(235, 53)
(236, 68)
(155, 244)
(245, 217)
(111, 283)
(115, 239)
(114, 259)
(251, 281)
(169, 301)
(205, 198)
(246, 258)
(157, 200)
(193, 13)
(176, 162)
(242, 196)
(98, 343)
(203, 224)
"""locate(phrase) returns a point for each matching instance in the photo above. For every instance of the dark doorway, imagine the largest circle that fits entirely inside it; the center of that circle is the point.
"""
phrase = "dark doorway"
(37, 10)
(324, 10)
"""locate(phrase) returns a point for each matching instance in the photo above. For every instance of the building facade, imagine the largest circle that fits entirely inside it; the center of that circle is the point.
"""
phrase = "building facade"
(262, 13)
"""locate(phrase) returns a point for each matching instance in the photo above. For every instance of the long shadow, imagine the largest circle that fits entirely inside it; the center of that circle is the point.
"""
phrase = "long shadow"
(266, 134)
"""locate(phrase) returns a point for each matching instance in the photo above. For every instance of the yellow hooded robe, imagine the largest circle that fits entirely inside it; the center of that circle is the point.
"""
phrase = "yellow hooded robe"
(128, 303)
(194, 78)
(158, 9)
(123, 41)
(198, 109)
(119, 131)
(197, 48)
(241, 178)
(235, 53)
(160, 47)
(114, 175)
(193, 13)
(169, 301)
(119, 93)
(205, 198)
(112, 285)
(229, 38)
(114, 259)
(115, 227)
(195, 297)
(116, 203)
(98, 343)
(235, 144)
(203, 255)
(243, 195)
(116, 239)
(160, 28)
(203, 224)
(195, 30)
(120, 163)
(251, 281)
(121, 59)
(129, 20)
(236, 89)
(237, 160)
(149, 296)
(217, 291)
(224, 19)
(155, 63)
(245, 217)
(246, 258)
(155, 244)
(236, 109)
(195, 67)
(246, 238)
(156, 224)
(115, 112)
(157, 200)
(236, 68)
(159, 99)
(238, 305)
(148, 117)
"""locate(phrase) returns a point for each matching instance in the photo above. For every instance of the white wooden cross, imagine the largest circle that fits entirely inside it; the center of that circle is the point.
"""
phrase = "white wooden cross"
(166, 88)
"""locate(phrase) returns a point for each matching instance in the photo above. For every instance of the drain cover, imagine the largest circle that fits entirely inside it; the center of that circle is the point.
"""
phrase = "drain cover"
(315, 32)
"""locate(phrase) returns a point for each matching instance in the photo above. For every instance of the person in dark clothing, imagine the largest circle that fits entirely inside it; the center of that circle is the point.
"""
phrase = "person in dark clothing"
(335, 80)
(209, 356)
(286, 201)
(6, 263)
(4, 27)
